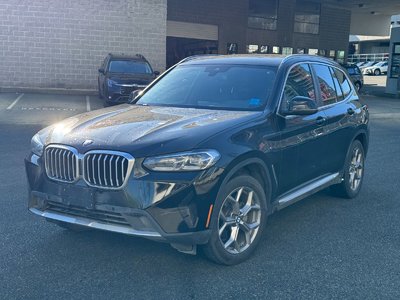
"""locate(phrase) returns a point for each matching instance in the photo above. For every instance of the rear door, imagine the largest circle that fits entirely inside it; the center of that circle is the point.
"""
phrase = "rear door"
(336, 94)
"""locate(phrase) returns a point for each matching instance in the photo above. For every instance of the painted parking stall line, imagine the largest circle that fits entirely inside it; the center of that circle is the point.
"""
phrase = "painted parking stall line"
(87, 103)
(15, 102)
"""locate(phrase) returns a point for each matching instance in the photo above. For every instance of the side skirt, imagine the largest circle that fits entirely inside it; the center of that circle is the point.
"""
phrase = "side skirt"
(306, 190)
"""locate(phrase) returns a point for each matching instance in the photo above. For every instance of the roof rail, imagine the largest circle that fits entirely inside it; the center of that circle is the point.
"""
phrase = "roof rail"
(196, 56)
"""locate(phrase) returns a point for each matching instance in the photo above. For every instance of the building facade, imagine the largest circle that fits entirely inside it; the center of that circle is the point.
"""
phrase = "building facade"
(61, 43)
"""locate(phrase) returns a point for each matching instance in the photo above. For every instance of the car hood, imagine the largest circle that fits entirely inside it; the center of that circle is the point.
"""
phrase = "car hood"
(143, 130)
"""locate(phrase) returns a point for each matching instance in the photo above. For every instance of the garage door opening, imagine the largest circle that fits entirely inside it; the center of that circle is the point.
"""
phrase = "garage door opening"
(179, 48)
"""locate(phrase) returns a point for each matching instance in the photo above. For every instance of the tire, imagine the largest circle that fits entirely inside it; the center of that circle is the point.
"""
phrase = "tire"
(377, 72)
(358, 86)
(68, 226)
(237, 223)
(353, 172)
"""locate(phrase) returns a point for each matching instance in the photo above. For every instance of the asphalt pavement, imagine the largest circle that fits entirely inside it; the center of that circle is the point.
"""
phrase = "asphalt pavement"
(320, 248)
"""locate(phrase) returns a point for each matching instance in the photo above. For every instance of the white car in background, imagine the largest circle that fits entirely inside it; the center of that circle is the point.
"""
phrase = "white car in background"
(377, 69)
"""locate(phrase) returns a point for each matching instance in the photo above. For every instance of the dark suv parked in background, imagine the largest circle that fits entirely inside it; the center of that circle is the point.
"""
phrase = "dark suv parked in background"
(119, 75)
(205, 153)
(355, 75)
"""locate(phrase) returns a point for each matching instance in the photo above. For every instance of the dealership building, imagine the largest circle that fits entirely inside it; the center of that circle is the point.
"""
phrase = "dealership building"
(61, 43)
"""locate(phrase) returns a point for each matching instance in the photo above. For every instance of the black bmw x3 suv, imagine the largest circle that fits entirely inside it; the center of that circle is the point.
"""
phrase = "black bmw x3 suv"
(205, 153)
(121, 74)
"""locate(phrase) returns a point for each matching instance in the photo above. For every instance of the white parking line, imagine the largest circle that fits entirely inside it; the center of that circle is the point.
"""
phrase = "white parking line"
(87, 103)
(15, 101)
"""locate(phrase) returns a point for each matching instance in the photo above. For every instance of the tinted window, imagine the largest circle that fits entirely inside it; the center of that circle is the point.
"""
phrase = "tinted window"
(299, 83)
(338, 88)
(344, 83)
(129, 66)
(237, 87)
(353, 70)
(326, 84)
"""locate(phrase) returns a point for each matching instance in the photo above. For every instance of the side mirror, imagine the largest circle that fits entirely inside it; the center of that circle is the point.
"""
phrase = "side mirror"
(300, 105)
(156, 73)
(133, 95)
(101, 70)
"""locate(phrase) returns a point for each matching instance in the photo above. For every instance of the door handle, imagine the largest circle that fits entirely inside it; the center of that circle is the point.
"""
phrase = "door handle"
(350, 111)
(320, 120)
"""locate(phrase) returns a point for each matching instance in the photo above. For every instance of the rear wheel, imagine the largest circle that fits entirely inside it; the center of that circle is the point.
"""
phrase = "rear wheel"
(377, 72)
(238, 221)
(353, 172)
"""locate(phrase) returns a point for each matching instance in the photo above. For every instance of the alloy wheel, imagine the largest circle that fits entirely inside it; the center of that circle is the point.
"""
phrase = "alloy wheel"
(239, 220)
(356, 169)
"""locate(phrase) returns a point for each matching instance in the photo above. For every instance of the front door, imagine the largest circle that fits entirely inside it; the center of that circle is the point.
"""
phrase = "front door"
(302, 137)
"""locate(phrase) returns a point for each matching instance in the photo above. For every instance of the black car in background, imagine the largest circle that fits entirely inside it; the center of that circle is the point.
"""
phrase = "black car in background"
(205, 153)
(355, 75)
(119, 75)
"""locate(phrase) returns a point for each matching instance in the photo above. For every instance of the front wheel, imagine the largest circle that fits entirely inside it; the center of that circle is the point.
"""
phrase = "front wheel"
(238, 221)
(353, 172)
(377, 72)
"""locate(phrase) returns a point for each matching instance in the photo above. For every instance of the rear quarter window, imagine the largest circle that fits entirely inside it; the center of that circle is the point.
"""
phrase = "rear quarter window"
(344, 83)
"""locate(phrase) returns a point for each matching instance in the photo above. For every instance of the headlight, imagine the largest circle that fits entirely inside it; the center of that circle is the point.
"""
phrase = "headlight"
(185, 161)
(111, 82)
(37, 145)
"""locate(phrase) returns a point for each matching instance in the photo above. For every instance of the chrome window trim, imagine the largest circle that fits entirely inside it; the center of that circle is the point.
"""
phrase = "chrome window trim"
(64, 147)
(319, 107)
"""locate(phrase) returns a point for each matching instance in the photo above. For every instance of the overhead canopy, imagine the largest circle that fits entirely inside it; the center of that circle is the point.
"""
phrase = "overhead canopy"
(368, 17)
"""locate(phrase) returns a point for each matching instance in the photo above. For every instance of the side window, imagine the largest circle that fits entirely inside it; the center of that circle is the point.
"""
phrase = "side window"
(344, 83)
(326, 84)
(299, 83)
(338, 88)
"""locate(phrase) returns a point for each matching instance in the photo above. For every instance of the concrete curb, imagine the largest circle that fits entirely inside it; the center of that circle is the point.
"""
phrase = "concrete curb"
(60, 91)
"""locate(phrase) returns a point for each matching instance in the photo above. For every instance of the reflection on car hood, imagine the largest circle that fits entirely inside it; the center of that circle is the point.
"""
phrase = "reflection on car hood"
(143, 130)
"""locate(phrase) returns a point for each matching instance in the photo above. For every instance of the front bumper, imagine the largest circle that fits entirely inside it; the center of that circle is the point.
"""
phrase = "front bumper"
(174, 212)
(120, 93)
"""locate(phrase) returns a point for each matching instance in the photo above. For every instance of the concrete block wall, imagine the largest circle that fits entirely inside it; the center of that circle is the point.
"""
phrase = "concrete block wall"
(61, 43)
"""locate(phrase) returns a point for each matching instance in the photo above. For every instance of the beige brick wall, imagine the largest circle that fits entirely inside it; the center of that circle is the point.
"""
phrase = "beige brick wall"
(61, 43)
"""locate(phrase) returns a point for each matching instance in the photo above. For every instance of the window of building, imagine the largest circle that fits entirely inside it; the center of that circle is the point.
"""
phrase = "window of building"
(332, 53)
(263, 49)
(306, 18)
(326, 84)
(287, 50)
(340, 56)
(395, 68)
(313, 51)
(263, 14)
(276, 50)
(299, 83)
(322, 52)
(232, 48)
(252, 49)
(301, 51)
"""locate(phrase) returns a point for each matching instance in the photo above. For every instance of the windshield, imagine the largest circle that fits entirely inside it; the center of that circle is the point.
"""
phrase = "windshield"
(380, 64)
(232, 87)
(129, 67)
